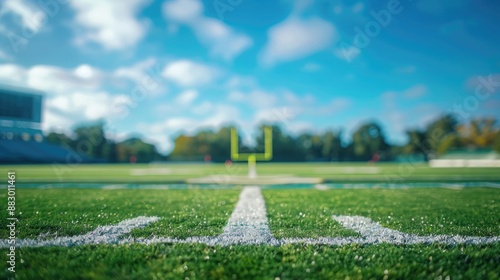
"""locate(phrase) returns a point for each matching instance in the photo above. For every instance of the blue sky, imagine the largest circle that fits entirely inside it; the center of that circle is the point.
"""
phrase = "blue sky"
(160, 68)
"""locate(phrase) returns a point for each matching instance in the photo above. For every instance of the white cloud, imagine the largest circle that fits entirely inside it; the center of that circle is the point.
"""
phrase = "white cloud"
(62, 111)
(136, 72)
(203, 108)
(221, 39)
(189, 73)
(52, 79)
(297, 127)
(415, 92)
(256, 98)
(12, 73)
(57, 80)
(187, 97)
(30, 16)
(390, 98)
(283, 114)
(214, 116)
(237, 81)
(220, 115)
(335, 106)
(183, 10)
(145, 74)
(112, 24)
(296, 38)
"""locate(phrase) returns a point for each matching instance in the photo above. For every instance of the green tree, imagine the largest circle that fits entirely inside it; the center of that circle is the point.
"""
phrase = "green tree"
(144, 152)
(368, 140)
(312, 146)
(90, 140)
(332, 145)
(478, 133)
(441, 135)
(285, 147)
(59, 139)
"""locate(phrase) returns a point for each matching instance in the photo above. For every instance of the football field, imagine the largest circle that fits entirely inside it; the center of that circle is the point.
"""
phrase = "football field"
(358, 221)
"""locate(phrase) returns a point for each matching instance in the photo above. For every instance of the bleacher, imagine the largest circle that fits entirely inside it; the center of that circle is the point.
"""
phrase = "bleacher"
(21, 137)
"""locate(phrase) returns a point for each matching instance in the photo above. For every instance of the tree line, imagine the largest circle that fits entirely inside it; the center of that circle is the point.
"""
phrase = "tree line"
(368, 143)
(90, 140)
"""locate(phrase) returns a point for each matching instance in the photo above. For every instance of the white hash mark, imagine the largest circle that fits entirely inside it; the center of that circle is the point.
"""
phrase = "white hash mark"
(101, 235)
(248, 224)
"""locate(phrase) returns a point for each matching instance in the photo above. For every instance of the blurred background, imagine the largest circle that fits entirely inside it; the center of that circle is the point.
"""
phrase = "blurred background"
(147, 81)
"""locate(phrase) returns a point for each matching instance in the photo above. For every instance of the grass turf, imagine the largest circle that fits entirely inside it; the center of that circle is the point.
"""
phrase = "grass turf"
(197, 261)
(467, 211)
(307, 213)
(67, 212)
(123, 173)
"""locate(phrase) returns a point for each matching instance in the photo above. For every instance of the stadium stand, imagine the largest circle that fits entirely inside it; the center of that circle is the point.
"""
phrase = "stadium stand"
(21, 137)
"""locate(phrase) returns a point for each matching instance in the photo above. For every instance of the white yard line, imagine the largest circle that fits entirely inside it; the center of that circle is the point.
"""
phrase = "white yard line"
(101, 235)
(248, 224)
(373, 233)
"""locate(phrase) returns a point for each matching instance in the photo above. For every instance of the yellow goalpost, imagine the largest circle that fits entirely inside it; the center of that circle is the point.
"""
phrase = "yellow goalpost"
(252, 158)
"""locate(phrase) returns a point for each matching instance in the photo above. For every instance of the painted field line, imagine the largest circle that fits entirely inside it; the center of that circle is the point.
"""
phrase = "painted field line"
(374, 233)
(248, 224)
(101, 235)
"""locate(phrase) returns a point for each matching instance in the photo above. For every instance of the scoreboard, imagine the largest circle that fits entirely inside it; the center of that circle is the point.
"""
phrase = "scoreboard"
(20, 112)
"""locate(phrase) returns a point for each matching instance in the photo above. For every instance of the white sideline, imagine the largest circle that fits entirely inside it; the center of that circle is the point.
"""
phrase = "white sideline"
(248, 224)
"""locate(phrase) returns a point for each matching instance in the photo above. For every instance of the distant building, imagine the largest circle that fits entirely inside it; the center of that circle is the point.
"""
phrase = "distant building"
(467, 158)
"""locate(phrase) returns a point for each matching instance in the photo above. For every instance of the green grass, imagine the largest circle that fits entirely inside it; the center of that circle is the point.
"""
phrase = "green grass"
(66, 212)
(197, 261)
(307, 213)
(380, 172)
(198, 212)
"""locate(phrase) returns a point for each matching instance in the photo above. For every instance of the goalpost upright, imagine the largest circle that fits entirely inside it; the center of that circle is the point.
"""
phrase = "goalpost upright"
(252, 158)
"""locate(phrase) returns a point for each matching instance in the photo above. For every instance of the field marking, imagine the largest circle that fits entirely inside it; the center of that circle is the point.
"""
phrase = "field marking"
(373, 233)
(249, 225)
(101, 235)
